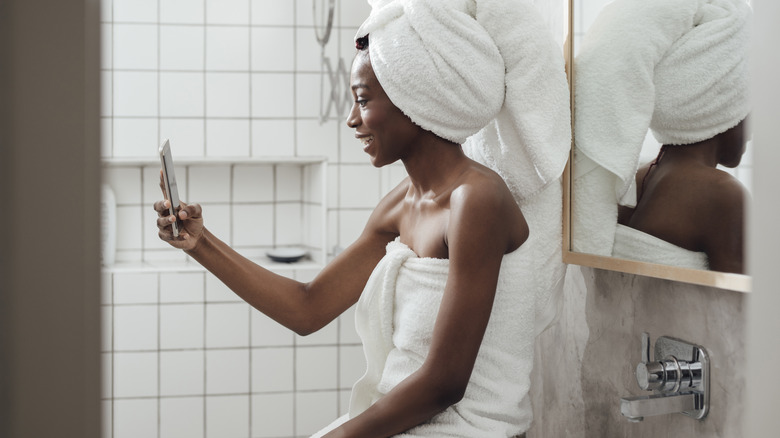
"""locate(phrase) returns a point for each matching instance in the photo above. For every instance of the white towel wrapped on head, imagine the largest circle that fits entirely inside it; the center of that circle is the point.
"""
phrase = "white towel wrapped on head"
(486, 67)
(677, 67)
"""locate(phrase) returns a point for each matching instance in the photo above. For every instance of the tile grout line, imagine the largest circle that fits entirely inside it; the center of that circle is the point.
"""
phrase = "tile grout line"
(159, 356)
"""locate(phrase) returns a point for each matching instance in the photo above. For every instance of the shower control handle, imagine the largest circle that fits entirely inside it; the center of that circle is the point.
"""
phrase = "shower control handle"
(669, 375)
(677, 374)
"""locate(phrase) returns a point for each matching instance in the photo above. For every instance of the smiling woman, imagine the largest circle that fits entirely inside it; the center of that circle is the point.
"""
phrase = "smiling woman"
(459, 267)
(386, 133)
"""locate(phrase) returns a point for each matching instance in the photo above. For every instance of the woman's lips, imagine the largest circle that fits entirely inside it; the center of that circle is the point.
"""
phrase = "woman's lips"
(366, 140)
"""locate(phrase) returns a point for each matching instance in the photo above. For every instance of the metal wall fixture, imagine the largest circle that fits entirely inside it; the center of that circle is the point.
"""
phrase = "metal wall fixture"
(340, 96)
(679, 377)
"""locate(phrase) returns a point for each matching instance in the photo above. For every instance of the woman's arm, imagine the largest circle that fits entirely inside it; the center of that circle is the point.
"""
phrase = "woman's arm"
(301, 307)
(478, 236)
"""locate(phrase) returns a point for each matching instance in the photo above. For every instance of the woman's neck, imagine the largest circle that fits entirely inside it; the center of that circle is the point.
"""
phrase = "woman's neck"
(702, 153)
(434, 164)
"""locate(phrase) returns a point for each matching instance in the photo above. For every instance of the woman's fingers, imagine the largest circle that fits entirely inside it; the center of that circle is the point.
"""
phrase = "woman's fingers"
(190, 211)
(164, 221)
(161, 207)
(190, 228)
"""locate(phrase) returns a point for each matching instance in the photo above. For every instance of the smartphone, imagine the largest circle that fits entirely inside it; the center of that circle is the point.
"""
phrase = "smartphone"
(169, 184)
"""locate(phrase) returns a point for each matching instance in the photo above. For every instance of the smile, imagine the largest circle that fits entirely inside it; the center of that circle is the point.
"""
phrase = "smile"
(366, 140)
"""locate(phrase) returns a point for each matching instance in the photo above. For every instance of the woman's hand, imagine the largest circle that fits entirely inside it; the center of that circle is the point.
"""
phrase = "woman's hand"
(190, 225)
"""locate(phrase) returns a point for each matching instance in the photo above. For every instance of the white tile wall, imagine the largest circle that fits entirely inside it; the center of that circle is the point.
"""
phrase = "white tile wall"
(131, 133)
(182, 417)
(268, 333)
(272, 95)
(227, 48)
(135, 328)
(273, 138)
(135, 46)
(316, 368)
(227, 94)
(182, 48)
(227, 138)
(183, 356)
(227, 416)
(253, 225)
(135, 374)
(181, 287)
(181, 373)
(182, 11)
(135, 418)
(144, 11)
(181, 95)
(321, 408)
(180, 347)
(266, 55)
(181, 326)
(227, 325)
(227, 11)
(273, 369)
(272, 415)
(135, 93)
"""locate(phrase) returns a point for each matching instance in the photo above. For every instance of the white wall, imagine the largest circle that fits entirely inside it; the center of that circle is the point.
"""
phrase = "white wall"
(763, 325)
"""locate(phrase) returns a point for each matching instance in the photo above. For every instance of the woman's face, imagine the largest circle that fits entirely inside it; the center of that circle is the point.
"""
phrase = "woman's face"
(733, 145)
(387, 133)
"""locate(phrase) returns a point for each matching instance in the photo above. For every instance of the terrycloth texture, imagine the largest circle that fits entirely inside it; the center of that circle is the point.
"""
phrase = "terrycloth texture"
(395, 319)
(633, 244)
(593, 208)
(397, 310)
(678, 67)
(486, 67)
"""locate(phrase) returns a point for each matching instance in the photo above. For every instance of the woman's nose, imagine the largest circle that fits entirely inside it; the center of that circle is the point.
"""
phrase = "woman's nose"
(353, 118)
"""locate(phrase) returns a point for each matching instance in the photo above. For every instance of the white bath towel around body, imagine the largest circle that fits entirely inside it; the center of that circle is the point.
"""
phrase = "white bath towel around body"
(632, 244)
(397, 311)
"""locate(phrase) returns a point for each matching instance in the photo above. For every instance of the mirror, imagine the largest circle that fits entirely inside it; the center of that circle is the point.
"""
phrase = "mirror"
(659, 174)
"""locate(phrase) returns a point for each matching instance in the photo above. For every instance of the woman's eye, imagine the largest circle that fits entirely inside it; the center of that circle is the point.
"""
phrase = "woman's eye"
(361, 102)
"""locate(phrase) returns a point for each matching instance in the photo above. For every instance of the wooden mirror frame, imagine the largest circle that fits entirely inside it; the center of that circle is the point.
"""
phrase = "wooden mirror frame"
(722, 280)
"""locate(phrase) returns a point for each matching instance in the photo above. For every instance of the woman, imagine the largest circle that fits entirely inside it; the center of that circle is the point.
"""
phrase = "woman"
(443, 272)
(684, 199)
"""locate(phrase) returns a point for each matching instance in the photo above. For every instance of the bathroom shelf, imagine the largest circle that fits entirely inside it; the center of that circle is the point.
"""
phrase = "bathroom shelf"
(209, 161)
(192, 266)
(309, 207)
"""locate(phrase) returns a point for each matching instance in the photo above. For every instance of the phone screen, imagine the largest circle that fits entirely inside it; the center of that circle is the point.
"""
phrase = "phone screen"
(169, 183)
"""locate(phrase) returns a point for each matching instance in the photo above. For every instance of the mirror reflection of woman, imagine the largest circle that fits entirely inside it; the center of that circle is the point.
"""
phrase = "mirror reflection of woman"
(459, 267)
(684, 199)
(679, 69)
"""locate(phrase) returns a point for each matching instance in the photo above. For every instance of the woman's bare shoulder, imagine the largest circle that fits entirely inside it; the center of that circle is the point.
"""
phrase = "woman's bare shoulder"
(482, 199)
(726, 191)
(714, 188)
(483, 186)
